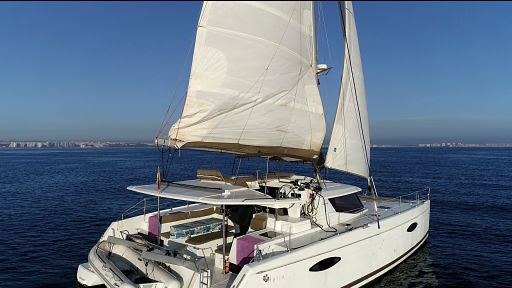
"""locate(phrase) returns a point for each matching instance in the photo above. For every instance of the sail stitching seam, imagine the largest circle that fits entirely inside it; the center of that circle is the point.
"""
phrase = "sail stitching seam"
(266, 70)
(255, 82)
(355, 90)
(298, 78)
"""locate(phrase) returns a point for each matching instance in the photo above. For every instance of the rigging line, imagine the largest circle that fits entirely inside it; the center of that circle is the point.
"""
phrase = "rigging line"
(170, 158)
(165, 163)
(278, 170)
(354, 83)
(326, 217)
(321, 15)
(233, 166)
(266, 69)
(180, 77)
(176, 107)
(238, 169)
(374, 188)
(266, 177)
(314, 33)
(238, 107)
(314, 49)
(260, 76)
(299, 77)
(179, 122)
(318, 29)
(355, 88)
(162, 163)
(344, 144)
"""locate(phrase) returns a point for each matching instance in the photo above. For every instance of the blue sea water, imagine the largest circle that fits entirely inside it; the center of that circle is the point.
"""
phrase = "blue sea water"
(55, 205)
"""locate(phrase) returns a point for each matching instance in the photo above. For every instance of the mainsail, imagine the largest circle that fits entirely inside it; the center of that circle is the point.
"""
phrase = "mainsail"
(349, 147)
(253, 84)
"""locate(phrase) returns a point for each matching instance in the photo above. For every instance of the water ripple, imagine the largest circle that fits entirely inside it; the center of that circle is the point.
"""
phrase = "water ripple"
(57, 203)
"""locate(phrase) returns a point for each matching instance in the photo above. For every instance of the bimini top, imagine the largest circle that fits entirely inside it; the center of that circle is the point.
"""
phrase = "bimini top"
(213, 193)
(216, 193)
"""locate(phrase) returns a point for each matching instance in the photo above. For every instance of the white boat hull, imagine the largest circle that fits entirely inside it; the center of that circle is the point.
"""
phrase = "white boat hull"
(366, 253)
(363, 249)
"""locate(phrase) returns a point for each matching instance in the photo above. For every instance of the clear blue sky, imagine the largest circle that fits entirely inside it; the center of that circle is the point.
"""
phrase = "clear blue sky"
(106, 71)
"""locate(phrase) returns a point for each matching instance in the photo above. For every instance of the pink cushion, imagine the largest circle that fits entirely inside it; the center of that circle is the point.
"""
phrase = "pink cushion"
(245, 249)
(153, 225)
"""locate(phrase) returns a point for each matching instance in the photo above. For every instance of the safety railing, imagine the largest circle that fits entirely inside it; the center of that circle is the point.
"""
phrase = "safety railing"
(143, 205)
(413, 198)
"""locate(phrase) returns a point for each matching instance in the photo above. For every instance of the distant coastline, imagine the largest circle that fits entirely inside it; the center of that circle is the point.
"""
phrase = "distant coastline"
(135, 144)
(441, 145)
(72, 144)
(447, 145)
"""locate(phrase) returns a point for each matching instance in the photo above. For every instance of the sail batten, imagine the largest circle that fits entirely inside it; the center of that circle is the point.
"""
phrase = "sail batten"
(349, 147)
(253, 86)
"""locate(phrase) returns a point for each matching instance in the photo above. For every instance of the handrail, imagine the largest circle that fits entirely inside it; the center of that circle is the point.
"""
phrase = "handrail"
(417, 199)
(134, 208)
(144, 208)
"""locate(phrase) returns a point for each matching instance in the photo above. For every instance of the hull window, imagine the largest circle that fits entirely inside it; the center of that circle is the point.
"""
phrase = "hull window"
(325, 264)
(412, 227)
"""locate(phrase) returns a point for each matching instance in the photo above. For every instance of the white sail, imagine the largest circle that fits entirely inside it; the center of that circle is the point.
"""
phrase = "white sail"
(253, 85)
(349, 147)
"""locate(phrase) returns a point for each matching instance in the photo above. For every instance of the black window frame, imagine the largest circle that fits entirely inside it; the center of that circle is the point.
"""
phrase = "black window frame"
(335, 202)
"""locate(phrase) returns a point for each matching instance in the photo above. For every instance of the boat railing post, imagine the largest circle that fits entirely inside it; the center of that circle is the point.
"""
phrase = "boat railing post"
(258, 253)
(290, 238)
(284, 239)
(224, 237)
(400, 205)
(158, 238)
(266, 177)
(144, 209)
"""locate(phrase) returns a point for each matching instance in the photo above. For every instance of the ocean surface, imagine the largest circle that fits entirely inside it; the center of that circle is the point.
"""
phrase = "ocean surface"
(56, 204)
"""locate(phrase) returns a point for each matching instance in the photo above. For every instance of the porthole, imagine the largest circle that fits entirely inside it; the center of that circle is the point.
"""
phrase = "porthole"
(325, 264)
(412, 227)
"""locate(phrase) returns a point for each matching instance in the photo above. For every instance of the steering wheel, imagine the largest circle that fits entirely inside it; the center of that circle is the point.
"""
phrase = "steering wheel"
(286, 190)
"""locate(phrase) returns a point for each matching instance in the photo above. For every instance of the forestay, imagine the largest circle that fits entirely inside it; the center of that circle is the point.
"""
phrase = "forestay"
(349, 147)
(253, 84)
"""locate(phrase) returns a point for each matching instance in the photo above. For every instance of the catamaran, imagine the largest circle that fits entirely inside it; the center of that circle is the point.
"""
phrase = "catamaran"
(253, 92)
